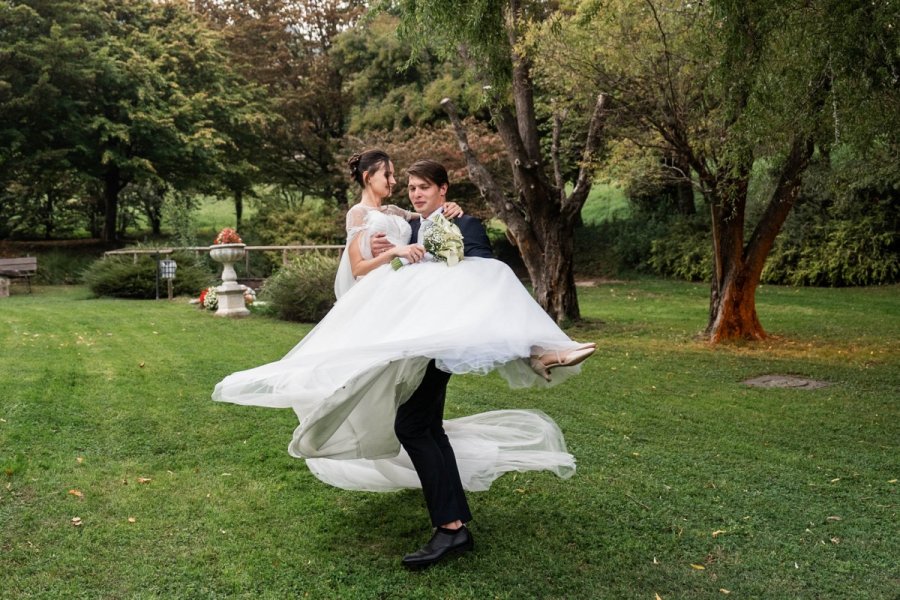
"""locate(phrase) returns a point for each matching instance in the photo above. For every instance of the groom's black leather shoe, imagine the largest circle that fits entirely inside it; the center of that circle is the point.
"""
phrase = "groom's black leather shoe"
(441, 545)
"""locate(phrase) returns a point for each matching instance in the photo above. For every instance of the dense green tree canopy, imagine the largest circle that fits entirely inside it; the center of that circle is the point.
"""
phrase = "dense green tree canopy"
(119, 91)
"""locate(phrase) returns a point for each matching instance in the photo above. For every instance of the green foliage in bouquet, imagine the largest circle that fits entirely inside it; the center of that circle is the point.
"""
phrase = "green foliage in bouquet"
(121, 277)
(302, 290)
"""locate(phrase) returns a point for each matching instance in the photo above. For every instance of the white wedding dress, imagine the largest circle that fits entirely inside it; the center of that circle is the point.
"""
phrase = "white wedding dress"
(346, 378)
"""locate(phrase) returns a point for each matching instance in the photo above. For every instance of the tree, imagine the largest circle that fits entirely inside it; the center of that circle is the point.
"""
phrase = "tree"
(728, 87)
(285, 46)
(120, 91)
(395, 105)
(540, 215)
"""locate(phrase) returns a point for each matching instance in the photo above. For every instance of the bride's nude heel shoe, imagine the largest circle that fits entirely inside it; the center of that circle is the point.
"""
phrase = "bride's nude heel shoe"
(549, 359)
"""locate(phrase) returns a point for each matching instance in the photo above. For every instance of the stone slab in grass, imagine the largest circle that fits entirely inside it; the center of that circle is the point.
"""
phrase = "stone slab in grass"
(786, 381)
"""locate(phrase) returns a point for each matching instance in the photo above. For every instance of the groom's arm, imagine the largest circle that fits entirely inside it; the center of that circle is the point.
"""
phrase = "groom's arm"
(475, 239)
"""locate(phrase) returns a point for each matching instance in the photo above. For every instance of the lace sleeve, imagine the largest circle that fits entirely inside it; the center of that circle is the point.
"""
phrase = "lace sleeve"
(406, 215)
(356, 221)
(356, 224)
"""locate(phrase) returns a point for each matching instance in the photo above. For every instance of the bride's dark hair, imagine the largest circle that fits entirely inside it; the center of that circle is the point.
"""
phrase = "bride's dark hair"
(367, 161)
(430, 170)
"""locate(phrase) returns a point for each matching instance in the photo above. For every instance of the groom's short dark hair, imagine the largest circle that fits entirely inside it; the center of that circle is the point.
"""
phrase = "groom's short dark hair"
(431, 170)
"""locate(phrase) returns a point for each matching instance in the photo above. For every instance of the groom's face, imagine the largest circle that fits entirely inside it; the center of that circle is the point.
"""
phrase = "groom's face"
(426, 196)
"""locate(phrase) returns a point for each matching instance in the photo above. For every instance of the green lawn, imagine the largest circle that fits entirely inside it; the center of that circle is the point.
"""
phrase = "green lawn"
(214, 214)
(604, 202)
(689, 483)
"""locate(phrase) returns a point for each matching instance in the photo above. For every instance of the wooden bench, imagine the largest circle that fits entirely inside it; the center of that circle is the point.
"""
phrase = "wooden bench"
(19, 268)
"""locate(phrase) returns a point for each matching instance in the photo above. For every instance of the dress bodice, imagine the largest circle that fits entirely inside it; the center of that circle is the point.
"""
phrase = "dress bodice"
(364, 221)
(391, 220)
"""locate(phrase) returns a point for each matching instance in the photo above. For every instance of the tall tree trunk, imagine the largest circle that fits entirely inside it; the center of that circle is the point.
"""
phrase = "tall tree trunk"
(542, 221)
(238, 207)
(112, 185)
(732, 305)
(48, 215)
(156, 223)
(682, 189)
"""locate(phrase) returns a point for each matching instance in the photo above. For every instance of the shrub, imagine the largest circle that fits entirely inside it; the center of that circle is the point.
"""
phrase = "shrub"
(121, 277)
(852, 253)
(62, 267)
(684, 251)
(285, 223)
(302, 290)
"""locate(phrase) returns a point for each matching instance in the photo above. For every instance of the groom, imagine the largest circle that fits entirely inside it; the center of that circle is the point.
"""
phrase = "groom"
(419, 423)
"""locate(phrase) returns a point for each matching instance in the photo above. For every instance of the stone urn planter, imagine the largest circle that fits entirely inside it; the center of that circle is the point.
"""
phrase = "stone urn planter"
(230, 294)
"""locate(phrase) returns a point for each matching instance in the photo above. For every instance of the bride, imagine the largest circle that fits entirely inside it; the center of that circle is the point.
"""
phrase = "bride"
(347, 377)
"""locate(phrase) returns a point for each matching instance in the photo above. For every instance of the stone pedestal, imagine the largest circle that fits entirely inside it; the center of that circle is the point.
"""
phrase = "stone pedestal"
(4, 287)
(230, 294)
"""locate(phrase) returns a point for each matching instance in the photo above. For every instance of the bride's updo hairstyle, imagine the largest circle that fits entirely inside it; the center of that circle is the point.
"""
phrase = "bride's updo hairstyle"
(368, 161)
(430, 170)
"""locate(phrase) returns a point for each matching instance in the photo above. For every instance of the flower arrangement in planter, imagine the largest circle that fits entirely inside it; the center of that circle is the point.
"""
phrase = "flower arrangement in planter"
(228, 236)
(209, 298)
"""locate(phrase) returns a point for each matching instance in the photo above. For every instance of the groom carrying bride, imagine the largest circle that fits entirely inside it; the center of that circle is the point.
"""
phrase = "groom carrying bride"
(372, 375)
(419, 423)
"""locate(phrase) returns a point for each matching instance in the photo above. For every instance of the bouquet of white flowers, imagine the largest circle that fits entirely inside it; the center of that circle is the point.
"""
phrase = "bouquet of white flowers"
(442, 240)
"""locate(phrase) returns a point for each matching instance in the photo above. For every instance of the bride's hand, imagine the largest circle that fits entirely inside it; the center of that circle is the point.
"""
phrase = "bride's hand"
(452, 210)
(413, 252)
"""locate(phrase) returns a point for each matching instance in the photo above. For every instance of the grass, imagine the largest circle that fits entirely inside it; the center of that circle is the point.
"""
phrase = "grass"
(213, 214)
(689, 482)
(604, 202)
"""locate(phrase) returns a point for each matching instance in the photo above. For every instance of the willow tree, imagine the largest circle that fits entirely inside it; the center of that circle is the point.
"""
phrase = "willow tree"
(730, 87)
(542, 210)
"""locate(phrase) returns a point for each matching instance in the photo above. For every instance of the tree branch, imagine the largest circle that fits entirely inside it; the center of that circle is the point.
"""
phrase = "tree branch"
(554, 154)
(523, 90)
(577, 198)
(502, 207)
(781, 203)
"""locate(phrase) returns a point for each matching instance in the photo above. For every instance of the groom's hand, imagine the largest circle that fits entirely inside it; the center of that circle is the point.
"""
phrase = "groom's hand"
(380, 244)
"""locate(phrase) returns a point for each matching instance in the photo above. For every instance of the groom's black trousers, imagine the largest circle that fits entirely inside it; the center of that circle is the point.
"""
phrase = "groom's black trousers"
(420, 428)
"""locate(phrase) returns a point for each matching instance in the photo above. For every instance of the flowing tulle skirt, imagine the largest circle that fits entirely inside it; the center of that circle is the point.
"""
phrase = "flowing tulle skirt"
(346, 378)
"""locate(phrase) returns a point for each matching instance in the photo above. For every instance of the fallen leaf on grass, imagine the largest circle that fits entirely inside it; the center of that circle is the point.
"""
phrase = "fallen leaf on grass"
(76, 521)
(698, 567)
(144, 480)
(141, 365)
(724, 591)
(76, 493)
(132, 520)
(835, 540)
(718, 532)
(79, 459)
